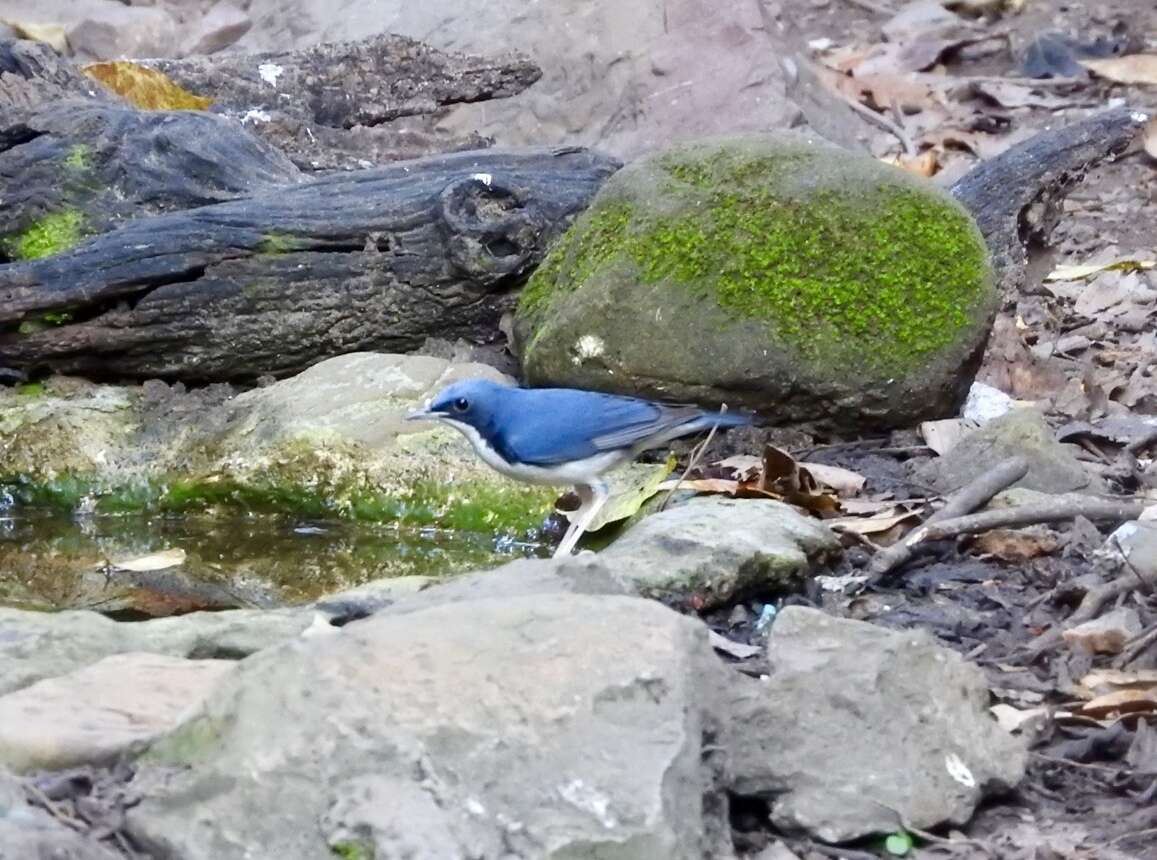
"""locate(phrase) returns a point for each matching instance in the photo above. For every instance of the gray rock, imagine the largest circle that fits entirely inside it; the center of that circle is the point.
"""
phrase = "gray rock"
(38, 645)
(331, 438)
(219, 28)
(713, 245)
(538, 728)
(1052, 466)
(102, 711)
(713, 549)
(622, 77)
(895, 724)
(1137, 542)
(28, 833)
(586, 573)
(109, 31)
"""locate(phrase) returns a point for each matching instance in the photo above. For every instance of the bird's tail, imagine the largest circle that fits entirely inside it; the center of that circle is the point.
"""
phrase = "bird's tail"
(727, 418)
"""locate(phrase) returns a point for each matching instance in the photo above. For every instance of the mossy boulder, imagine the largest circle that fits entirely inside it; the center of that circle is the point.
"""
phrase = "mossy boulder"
(769, 272)
(329, 442)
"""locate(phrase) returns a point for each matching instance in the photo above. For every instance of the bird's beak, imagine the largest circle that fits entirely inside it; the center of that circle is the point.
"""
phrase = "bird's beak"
(423, 414)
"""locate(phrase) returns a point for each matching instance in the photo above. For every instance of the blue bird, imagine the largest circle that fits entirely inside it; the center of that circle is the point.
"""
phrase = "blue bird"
(560, 436)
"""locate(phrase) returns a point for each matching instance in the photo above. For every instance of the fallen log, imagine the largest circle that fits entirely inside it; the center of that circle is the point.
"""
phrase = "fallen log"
(1016, 197)
(377, 259)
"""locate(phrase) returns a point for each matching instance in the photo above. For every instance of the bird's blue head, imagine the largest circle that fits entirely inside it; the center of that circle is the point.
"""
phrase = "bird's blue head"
(471, 402)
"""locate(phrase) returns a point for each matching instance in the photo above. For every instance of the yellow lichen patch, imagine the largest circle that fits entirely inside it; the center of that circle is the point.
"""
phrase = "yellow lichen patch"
(145, 88)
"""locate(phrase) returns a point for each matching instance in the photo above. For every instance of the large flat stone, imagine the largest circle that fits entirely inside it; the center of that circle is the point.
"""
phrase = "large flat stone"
(533, 727)
(103, 711)
(858, 725)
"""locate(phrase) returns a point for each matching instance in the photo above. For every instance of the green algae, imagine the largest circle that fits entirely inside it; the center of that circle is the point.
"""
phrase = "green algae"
(79, 157)
(52, 234)
(866, 270)
(470, 506)
(352, 851)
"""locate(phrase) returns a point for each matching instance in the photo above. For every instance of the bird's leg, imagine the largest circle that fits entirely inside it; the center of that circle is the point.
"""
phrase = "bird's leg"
(592, 497)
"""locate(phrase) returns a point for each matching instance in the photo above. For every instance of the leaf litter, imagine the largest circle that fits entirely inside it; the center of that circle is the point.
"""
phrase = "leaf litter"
(959, 85)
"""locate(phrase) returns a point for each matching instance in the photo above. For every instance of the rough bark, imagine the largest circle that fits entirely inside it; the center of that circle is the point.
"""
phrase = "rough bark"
(1017, 196)
(268, 284)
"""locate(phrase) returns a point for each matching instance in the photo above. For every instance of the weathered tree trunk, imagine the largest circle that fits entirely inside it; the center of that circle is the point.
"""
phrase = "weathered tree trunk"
(269, 284)
(1017, 196)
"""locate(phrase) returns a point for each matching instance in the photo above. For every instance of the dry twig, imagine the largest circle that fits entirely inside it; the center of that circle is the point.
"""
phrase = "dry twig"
(965, 501)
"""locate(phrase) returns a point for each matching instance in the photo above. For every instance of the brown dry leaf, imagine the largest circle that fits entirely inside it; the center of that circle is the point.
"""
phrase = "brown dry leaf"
(1082, 271)
(1131, 69)
(156, 561)
(782, 475)
(888, 92)
(1012, 95)
(1101, 681)
(720, 486)
(145, 88)
(843, 481)
(942, 435)
(873, 525)
(1118, 702)
(925, 164)
(1016, 545)
(742, 467)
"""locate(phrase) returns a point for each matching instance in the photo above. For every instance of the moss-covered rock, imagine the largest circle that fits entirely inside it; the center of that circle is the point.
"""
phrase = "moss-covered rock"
(772, 272)
(329, 442)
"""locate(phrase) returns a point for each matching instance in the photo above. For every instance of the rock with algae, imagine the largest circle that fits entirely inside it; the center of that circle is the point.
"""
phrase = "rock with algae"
(329, 442)
(770, 272)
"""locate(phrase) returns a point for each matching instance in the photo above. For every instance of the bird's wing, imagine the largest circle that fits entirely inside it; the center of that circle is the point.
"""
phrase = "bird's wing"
(557, 426)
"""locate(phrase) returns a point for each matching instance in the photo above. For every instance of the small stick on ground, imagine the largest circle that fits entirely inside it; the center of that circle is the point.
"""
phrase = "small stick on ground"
(965, 501)
(693, 460)
(1134, 649)
(1091, 604)
(1052, 511)
(869, 6)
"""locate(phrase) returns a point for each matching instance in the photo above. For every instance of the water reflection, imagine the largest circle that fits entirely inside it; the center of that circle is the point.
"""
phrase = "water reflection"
(57, 562)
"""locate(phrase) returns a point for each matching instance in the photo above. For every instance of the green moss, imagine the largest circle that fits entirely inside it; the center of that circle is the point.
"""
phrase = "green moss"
(473, 507)
(31, 389)
(79, 157)
(277, 243)
(352, 851)
(877, 275)
(52, 234)
(194, 741)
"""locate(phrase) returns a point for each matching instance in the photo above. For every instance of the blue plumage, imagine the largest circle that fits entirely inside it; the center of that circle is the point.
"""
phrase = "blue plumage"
(564, 435)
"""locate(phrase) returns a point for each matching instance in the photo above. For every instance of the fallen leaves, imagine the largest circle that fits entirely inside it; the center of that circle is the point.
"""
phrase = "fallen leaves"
(776, 475)
(1130, 69)
(1083, 271)
(148, 563)
(1113, 694)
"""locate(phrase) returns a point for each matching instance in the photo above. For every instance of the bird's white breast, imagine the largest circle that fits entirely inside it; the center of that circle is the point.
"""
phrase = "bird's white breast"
(575, 472)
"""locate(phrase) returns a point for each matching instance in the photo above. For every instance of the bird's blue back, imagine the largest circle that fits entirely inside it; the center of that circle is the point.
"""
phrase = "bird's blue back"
(549, 426)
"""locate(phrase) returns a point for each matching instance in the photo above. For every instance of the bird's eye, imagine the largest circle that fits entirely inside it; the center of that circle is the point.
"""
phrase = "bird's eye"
(461, 404)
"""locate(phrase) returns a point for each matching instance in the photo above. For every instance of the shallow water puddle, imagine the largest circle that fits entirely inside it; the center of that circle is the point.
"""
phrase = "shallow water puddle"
(49, 561)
